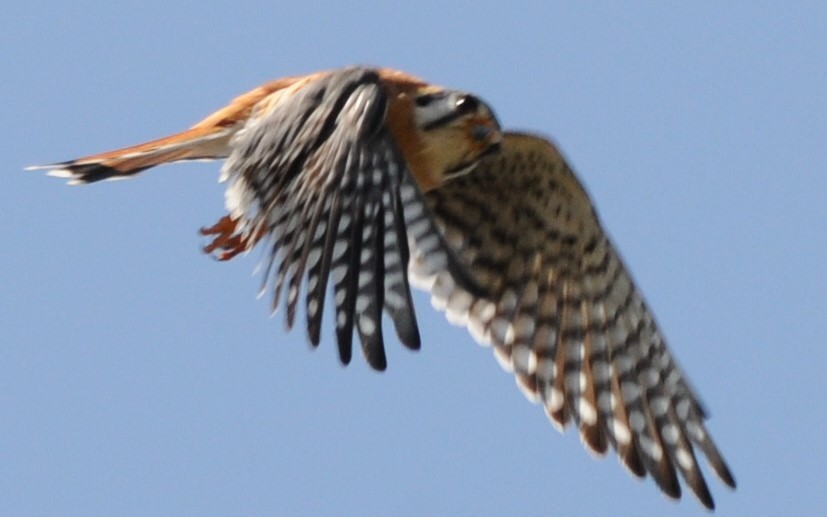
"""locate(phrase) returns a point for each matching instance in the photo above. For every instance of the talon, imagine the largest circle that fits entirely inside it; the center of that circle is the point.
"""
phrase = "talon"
(226, 240)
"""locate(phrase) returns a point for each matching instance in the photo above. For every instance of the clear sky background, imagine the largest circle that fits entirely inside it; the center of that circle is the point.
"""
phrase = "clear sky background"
(139, 377)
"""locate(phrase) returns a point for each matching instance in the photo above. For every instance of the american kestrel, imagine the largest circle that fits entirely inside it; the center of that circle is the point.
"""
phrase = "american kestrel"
(368, 179)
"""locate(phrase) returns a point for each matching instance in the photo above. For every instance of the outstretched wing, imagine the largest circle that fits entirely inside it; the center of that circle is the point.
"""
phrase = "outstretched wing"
(564, 315)
(317, 172)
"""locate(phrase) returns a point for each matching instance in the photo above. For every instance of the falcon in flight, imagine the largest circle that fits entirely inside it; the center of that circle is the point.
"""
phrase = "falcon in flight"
(362, 181)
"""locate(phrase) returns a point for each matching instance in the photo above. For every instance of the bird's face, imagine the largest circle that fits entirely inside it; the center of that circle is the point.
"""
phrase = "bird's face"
(456, 130)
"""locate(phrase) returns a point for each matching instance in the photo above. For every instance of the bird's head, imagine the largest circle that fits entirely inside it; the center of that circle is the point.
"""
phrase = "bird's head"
(452, 131)
(457, 129)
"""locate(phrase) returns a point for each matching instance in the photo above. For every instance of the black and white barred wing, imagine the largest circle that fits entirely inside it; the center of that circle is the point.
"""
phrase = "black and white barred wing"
(321, 177)
(565, 316)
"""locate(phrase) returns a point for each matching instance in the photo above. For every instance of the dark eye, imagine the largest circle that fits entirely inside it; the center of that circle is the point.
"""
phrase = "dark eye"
(467, 104)
(425, 99)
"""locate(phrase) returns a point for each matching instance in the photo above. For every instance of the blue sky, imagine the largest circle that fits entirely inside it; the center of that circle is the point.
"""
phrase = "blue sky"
(138, 376)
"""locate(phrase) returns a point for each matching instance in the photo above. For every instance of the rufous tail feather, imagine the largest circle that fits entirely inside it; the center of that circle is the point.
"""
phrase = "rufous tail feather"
(197, 143)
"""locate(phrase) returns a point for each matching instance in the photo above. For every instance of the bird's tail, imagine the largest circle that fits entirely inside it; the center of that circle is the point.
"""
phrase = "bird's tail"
(197, 143)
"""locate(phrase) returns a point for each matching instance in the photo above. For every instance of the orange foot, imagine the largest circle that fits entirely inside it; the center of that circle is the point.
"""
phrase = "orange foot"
(225, 239)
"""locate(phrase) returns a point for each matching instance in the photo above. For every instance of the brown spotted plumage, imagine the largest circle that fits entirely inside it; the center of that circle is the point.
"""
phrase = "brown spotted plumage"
(357, 180)
(563, 314)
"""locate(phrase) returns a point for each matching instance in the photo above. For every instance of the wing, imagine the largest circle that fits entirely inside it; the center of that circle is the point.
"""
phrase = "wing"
(317, 172)
(565, 316)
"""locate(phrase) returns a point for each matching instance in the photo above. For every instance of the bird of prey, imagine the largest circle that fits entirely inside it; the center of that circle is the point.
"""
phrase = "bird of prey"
(363, 181)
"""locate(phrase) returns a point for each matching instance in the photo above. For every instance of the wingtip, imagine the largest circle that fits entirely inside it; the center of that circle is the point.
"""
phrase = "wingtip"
(704, 496)
(725, 475)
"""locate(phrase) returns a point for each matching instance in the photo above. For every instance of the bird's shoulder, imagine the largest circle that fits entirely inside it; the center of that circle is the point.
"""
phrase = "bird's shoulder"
(271, 93)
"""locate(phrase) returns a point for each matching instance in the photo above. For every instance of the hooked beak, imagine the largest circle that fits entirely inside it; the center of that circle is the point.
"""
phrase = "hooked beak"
(486, 132)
